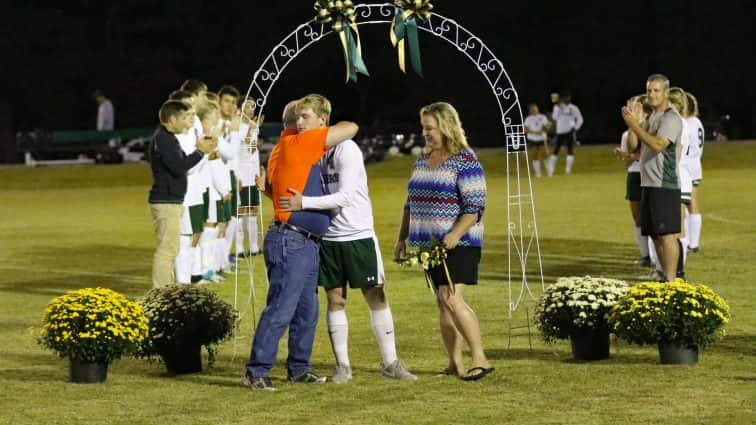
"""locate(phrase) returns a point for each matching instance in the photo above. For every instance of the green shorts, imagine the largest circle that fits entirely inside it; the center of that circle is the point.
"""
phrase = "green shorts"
(223, 209)
(206, 203)
(234, 195)
(633, 189)
(197, 216)
(250, 197)
(356, 262)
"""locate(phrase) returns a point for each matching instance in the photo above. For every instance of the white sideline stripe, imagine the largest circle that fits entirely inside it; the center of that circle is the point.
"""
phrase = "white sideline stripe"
(715, 217)
(590, 257)
(76, 272)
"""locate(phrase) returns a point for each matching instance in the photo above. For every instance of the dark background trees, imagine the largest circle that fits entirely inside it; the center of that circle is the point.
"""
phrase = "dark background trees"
(138, 51)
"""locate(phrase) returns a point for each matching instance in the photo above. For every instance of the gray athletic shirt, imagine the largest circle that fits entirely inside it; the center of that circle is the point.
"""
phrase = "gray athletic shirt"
(659, 169)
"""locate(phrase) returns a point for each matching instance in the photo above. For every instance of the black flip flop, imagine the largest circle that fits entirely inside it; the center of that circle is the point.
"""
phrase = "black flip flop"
(474, 377)
(447, 372)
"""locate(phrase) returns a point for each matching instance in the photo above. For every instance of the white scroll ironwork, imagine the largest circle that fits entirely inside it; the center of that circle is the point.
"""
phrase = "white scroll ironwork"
(522, 230)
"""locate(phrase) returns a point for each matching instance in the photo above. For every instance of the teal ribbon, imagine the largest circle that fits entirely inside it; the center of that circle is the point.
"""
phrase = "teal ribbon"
(340, 14)
(405, 27)
(353, 56)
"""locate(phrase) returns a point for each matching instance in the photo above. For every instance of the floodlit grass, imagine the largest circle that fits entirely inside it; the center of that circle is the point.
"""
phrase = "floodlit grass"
(73, 227)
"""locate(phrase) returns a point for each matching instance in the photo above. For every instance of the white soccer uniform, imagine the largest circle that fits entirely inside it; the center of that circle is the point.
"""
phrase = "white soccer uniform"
(248, 160)
(346, 180)
(686, 183)
(567, 117)
(193, 196)
(535, 124)
(691, 156)
(634, 167)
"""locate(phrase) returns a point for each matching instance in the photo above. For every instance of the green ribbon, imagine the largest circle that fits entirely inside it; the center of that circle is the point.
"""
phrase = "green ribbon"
(404, 26)
(341, 16)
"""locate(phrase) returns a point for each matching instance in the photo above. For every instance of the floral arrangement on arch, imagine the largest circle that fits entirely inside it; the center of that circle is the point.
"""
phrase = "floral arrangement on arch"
(93, 325)
(186, 316)
(576, 303)
(674, 312)
(428, 257)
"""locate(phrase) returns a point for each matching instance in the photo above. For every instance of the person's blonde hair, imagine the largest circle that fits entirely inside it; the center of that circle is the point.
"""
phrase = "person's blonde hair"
(679, 100)
(206, 107)
(449, 125)
(692, 104)
(319, 105)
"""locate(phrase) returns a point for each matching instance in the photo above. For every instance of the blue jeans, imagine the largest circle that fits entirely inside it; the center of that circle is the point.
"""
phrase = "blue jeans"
(292, 261)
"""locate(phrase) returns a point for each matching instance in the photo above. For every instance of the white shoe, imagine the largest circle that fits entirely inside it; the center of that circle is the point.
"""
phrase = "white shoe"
(341, 374)
(397, 370)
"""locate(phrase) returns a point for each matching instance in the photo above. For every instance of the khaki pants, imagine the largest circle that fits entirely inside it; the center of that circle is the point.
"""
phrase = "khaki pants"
(165, 219)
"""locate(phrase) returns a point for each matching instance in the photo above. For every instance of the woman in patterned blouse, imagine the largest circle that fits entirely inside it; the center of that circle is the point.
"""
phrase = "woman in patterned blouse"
(445, 202)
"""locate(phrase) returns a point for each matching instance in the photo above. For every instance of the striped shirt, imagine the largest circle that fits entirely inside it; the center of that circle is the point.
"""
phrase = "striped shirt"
(438, 197)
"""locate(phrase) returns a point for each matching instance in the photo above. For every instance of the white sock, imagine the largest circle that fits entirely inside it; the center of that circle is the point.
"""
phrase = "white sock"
(537, 167)
(184, 260)
(551, 165)
(207, 246)
(686, 225)
(221, 254)
(338, 330)
(196, 261)
(642, 242)
(684, 249)
(229, 237)
(382, 323)
(695, 230)
(252, 233)
(654, 256)
(239, 235)
(570, 161)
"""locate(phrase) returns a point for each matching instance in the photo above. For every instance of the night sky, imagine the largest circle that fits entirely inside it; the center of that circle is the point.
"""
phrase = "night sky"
(138, 52)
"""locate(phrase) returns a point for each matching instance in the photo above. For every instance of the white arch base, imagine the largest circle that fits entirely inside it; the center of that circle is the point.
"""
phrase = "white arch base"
(522, 231)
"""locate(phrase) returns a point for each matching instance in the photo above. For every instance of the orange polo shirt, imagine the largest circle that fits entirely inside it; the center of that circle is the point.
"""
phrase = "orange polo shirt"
(294, 163)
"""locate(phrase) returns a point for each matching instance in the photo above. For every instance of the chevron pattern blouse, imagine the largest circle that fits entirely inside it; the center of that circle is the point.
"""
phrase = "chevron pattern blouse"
(437, 197)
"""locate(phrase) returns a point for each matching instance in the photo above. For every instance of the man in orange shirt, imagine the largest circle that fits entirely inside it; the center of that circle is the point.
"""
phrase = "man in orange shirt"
(291, 245)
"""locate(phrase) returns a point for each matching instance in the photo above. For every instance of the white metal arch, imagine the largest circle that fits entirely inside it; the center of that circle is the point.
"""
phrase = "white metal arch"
(521, 222)
(448, 29)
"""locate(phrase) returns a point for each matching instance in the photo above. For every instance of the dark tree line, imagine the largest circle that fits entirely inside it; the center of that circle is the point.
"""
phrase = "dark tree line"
(137, 51)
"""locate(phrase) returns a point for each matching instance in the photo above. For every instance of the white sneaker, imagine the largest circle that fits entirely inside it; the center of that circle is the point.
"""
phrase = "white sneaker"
(397, 370)
(341, 374)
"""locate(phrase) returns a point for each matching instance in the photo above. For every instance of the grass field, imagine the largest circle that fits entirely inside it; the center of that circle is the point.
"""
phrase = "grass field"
(65, 228)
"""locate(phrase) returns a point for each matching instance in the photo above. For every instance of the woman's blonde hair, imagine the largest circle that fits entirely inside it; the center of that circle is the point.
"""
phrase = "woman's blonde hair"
(448, 124)
(679, 100)
(692, 105)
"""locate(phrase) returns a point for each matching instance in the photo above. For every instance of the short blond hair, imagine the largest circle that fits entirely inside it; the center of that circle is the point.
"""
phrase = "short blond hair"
(449, 125)
(679, 100)
(204, 108)
(319, 104)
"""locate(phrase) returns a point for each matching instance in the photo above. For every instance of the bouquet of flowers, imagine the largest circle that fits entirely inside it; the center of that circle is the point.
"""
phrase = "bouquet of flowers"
(678, 312)
(93, 325)
(182, 316)
(428, 257)
(573, 304)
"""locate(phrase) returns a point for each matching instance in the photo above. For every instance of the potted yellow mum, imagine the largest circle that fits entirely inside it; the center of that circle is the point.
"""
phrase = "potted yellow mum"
(679, 317)
(92, 327)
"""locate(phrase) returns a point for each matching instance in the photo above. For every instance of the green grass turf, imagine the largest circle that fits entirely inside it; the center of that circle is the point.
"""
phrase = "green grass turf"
(72, 227)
